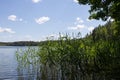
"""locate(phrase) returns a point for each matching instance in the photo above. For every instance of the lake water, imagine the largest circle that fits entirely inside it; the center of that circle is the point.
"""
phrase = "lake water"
(9, 66)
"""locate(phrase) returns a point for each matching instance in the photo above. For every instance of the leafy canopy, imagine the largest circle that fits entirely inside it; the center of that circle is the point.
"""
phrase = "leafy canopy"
(103, 9)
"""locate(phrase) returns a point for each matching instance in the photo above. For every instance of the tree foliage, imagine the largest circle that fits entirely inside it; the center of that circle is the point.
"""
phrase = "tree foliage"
(94, 57)
(103, 9)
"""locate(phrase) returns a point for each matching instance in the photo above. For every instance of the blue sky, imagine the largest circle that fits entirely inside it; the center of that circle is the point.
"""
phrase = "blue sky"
(34, 20)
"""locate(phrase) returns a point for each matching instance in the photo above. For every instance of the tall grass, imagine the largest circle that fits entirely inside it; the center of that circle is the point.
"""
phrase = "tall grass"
(70, 58)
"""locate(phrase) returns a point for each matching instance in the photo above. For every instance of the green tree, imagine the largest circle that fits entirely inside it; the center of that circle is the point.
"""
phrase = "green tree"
(103, 9)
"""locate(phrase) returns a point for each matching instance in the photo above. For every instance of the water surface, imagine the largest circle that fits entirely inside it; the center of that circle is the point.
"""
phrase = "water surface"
(8, 64)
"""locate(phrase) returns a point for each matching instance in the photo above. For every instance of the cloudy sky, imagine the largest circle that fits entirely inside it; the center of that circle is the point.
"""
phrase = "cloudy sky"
(25, 20)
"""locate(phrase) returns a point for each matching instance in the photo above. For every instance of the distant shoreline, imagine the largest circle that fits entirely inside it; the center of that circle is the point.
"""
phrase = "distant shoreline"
(20, 43)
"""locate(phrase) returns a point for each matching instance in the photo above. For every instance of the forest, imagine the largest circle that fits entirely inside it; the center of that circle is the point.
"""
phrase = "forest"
(94, 57)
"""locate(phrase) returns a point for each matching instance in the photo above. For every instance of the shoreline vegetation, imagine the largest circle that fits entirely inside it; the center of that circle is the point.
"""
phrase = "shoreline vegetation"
(22, 43)
(19, 43)
(94, 57)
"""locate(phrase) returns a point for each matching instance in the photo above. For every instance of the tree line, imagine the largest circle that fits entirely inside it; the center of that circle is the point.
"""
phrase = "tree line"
(94, 57)
(19, 43)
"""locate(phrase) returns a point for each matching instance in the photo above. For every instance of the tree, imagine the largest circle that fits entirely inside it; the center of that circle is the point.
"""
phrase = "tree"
(103, 9)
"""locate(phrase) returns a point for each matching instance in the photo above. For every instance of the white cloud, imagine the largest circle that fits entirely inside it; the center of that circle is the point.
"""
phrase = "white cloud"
(36, 1)
(12, 17)
(20, 19)
(79, 20)
(53, 36)
(76, 1)
(78, 24)
(77, 27)
(90, 28)
(6, 30)
(42, 20)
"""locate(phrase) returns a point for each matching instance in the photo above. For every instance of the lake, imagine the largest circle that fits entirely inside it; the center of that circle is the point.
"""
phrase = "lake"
(9, 66)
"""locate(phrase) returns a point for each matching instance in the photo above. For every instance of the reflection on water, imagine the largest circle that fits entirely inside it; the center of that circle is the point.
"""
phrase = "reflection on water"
(13, 69)
(9, 66)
